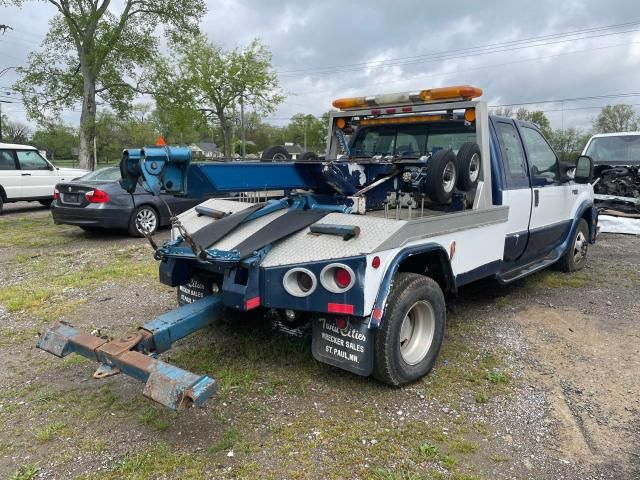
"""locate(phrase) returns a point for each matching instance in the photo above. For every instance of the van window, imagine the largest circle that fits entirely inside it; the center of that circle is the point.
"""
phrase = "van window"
(6, 160)
(31, 160)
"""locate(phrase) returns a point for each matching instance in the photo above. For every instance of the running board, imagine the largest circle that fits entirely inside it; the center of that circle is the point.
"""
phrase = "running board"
(135, 354)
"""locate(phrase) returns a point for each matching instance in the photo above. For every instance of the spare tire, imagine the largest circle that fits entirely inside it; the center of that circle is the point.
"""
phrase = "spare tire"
(308, 157)
(441, 178)
(275, 153)
(469, 164)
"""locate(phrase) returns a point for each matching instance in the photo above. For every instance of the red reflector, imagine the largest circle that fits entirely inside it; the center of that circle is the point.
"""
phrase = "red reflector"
(375, 263)
(377, 313)
(376, 111)
(407, 109)
(342, 277)
(340, 308)
(252, 303)
(97, 196)
(391, 110)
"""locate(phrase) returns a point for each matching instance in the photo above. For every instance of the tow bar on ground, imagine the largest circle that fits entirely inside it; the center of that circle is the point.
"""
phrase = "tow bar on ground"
(135, 354)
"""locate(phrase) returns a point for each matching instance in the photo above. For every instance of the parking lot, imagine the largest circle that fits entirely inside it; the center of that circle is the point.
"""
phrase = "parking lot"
(535, 380)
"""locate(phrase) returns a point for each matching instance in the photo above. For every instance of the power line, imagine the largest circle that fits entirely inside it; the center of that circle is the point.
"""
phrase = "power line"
(482, 67)
(470, 51)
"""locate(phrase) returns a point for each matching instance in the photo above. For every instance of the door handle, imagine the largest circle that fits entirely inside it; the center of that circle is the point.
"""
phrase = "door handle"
(26, 174)
(536, 198)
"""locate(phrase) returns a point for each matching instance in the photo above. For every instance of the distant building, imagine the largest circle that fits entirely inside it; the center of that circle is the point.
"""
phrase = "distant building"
(205, 150)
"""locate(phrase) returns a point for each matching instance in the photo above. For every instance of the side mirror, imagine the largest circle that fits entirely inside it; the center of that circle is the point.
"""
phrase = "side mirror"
(584, 169)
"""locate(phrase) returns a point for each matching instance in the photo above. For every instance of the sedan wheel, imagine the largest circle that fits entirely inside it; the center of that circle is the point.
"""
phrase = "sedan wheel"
(144, 220)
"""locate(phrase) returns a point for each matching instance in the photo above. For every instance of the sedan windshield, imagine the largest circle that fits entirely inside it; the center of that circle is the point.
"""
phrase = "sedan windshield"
(621, 149)
(107, 174)
(410, 140)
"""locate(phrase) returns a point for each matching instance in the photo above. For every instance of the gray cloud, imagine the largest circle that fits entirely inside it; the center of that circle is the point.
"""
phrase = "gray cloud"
(306, 35)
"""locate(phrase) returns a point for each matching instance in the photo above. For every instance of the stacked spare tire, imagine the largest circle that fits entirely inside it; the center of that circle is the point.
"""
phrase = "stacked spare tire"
(446, 172)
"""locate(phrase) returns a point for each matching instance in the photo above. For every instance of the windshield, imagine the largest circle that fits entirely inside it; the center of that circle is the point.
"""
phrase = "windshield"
(410, 140)
(108, 174)
(624, 149)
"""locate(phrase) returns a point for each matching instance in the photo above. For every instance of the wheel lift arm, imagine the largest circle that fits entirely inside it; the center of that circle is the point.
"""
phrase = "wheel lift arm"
(135, 354)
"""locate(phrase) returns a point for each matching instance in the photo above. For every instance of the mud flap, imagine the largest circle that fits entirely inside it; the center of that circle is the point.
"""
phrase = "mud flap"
(349, 348)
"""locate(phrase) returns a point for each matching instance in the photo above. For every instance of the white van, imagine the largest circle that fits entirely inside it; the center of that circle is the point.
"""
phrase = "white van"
(25, 175)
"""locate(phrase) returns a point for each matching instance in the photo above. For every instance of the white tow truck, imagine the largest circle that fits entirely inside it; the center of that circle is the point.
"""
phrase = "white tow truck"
(419, 194)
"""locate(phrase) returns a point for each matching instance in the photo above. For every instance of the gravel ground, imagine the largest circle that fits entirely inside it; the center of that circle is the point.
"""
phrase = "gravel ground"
(535, 380)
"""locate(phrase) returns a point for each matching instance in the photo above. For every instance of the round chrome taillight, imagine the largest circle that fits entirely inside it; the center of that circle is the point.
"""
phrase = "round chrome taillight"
(337, 277)
(299, 282)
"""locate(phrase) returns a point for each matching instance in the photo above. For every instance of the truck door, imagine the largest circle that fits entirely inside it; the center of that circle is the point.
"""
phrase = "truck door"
(38, 177)
(551, 211)
(9, 174)
(517, 189)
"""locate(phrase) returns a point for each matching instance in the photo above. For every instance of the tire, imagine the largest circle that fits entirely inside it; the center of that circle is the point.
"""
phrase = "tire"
(469, 164)
(575, 258)
(148, 216)
(275, 153)
(45, 203)
(441, 176)
(1, 204)
(308, 157)
(397, 363)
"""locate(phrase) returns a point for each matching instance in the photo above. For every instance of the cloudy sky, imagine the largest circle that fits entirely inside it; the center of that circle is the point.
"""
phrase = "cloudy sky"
(516, 51)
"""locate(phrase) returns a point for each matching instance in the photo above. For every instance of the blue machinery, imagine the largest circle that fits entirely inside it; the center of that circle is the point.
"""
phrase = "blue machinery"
(330, 187)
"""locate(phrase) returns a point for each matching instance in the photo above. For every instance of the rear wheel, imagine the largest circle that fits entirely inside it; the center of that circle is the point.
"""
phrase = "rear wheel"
(407, 344)
(575, 258)
(442, 173)
(144, 220)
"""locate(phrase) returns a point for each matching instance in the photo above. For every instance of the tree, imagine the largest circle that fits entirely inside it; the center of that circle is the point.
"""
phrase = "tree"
(568, 143)
(616, 118)
(14, 132)
(206, 76)
(57, 139)
(309, 130)
(98, 51)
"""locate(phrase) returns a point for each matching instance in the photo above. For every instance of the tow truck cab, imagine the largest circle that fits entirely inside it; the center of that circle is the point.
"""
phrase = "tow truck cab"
(545, 202)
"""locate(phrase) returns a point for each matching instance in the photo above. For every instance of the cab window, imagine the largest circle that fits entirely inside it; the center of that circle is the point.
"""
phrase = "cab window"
(542, 159)
(31, 160)
(513, 154)
(6, 160)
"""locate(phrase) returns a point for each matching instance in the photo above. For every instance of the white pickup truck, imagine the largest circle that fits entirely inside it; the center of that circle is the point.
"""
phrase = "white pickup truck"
(26, 176)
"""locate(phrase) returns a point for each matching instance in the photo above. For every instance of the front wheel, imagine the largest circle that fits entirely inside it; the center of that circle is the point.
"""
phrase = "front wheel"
(575, 258)
(408, 342)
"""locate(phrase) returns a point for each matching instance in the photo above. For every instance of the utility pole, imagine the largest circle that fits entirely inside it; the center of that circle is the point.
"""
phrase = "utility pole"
(242, 139)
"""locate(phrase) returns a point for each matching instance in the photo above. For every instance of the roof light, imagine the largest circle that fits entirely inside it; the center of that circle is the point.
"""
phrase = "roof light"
(459, 92)
(395, 120)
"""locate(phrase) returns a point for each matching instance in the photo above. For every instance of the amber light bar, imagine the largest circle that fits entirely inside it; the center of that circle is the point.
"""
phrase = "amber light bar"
(396, 120)
(459, 92)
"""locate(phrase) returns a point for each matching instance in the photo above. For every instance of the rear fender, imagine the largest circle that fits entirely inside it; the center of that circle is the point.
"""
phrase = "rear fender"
(386, 284)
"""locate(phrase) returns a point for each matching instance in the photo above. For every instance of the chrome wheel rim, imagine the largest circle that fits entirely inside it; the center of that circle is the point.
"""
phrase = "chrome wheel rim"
(474, 167)
(146, 221)
(417, 332)
(580, 247)
(449, 177)
(279, 156)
